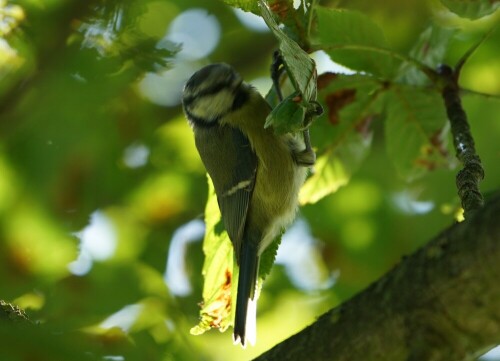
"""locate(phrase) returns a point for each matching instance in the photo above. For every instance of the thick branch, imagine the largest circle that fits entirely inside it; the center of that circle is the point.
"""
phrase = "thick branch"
(440, 303)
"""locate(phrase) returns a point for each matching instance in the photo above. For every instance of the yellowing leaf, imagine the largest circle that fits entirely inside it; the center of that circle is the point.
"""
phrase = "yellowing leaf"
(217, 271)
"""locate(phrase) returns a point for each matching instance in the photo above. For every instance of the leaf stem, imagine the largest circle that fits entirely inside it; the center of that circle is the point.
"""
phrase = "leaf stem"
(310, 19)
(484, 95)
(471, 51)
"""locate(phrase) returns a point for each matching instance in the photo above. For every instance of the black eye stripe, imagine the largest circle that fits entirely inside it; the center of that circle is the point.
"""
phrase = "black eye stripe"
(240, 98)
(214, 89)
(201, 122)
(186, 101)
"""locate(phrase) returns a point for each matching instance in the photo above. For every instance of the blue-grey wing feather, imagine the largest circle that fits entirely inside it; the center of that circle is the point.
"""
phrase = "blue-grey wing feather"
(232, 166)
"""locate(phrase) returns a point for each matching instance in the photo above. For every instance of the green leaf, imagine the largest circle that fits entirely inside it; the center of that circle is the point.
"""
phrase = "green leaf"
(12, 16)
(355, 41)
(348, 100)
(217, 271)
(430, 49)
(471, 9)
(288, 116)
(334, 168)
(268, 257)
(245, 5)
(343, 134)
(330, 174)
(300, 67)
(415, 131)
(295, 18)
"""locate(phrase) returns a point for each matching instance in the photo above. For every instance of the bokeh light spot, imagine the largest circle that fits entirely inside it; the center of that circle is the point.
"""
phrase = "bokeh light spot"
(251, 21)
(97, 243)
(175, 275)
(136, 155)
(197, 31)
(166, 88)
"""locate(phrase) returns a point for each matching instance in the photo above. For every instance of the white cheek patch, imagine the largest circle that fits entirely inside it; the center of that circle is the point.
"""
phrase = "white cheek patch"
(211, 106)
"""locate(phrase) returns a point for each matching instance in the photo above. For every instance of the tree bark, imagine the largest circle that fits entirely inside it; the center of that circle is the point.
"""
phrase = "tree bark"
(440, 303)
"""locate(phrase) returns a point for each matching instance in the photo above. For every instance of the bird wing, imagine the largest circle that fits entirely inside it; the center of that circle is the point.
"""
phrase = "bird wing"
(232, 165)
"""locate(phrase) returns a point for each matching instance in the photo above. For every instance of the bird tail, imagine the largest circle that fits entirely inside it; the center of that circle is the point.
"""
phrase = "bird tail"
(246, 304)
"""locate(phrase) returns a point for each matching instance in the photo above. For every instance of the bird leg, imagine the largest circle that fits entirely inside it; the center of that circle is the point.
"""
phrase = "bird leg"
(306, 157)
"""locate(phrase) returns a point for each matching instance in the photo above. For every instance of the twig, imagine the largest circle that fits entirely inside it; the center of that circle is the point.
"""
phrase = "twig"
(472, 173)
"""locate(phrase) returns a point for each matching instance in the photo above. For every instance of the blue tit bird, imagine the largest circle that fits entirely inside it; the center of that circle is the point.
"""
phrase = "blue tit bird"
(256, 173)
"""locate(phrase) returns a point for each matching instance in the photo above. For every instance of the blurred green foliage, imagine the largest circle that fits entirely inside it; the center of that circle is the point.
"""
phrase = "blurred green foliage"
(82, 130)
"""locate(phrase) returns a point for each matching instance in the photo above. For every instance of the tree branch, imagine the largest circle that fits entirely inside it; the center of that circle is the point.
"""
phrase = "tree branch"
(472, 173)
(440, 303)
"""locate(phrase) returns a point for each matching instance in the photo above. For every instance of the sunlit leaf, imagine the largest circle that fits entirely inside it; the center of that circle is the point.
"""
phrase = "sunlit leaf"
(217, 271)
(415, 131)
(335, 168)
(220, 273)
(472, 9)
(330, 174)
(343, 135)
(11, 16)
(352, 39)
